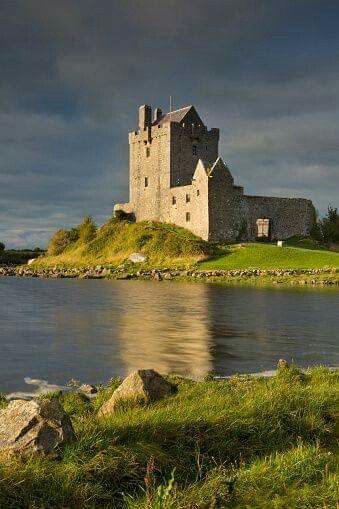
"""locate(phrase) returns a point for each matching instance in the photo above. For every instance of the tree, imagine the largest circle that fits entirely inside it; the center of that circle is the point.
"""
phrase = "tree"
(2, 247)
(87, 229)
(330, 225)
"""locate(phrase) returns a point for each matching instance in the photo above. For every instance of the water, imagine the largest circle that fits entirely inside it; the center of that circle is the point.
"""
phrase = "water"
(92, 330)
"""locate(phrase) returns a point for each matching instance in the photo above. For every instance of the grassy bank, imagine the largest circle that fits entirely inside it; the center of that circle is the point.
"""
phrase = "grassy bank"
(171, 247)
(242, 442)
(164, 245)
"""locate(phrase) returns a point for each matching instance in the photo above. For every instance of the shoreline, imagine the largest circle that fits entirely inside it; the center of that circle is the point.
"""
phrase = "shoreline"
(44, 387)
(326, 277)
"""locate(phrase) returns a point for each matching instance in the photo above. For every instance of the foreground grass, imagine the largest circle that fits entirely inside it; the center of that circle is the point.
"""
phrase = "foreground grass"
(243, 442)
(269, 256)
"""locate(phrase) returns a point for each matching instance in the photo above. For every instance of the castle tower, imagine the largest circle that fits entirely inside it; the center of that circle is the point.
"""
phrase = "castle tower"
(164, 153)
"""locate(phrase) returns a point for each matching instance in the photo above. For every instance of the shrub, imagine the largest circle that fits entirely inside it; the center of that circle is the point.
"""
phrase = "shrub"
(58, 243)
(330, 225)
(87, 229)
(2, 247)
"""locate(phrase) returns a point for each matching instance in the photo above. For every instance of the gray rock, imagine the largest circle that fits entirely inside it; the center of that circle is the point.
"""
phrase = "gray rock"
(88, 389)
(36, 426)
(137, 258)
(142, 386)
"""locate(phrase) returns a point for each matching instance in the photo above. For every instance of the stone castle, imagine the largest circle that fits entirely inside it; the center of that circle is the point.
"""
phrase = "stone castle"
(178, 177)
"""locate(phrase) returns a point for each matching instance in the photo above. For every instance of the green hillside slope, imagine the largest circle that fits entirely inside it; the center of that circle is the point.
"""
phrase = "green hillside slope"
(269, 256)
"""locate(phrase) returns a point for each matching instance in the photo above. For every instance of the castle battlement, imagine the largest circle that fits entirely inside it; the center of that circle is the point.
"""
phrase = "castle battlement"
(177, 176)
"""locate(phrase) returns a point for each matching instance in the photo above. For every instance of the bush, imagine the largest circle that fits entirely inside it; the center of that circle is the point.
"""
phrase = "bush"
(330, 225)
(2, 247)
(60, 240)
(87, 229)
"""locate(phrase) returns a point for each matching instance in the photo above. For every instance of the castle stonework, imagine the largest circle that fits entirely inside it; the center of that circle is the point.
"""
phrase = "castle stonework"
(177, 176)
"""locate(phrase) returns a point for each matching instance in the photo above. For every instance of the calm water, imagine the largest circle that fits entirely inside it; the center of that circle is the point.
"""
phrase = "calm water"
(92, 330)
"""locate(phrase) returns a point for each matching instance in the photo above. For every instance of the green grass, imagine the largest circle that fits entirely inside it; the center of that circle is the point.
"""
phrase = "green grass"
(238, 443)
(269, 256)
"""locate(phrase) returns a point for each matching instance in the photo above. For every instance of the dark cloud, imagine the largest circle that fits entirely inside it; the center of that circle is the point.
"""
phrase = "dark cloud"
(74, 71)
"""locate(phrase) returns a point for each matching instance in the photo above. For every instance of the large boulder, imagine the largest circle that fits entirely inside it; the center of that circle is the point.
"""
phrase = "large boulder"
(142, 386)
(34, 426)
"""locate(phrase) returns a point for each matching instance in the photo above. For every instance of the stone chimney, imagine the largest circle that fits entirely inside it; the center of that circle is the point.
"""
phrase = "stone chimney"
(145, 117)
(157, 114)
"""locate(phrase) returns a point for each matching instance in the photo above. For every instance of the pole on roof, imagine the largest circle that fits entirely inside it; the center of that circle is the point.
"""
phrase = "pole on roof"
(170, 107)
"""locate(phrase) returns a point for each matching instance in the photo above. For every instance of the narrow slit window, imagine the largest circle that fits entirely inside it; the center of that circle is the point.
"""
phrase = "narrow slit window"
(146, 181)
(174, 200)
(188, 198)
(148, 151)
(188, 216)
(198, 192)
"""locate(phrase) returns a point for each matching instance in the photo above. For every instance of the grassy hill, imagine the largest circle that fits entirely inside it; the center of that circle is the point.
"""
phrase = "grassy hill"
(171, 246)
(164, 245)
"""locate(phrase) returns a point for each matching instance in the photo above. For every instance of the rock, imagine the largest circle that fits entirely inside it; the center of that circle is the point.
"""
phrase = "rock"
(137, 258)
(35, 426)
(156, 275)
(142, 386)
(32, 260)
(88, 389)
(73, 382)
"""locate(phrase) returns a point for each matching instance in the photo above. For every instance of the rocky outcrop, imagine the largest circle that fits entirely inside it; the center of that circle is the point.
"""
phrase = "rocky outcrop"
(36, 426)
(142, 386)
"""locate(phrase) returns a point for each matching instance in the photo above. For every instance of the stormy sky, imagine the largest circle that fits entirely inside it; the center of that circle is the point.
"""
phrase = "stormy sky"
(73, 72)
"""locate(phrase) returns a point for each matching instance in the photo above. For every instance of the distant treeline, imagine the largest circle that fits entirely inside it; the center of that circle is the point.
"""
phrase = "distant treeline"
(18, 256)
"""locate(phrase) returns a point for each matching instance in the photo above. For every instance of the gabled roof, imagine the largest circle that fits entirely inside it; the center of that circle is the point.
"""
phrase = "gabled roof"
(177, 115)
(200, 167)
(220, 165)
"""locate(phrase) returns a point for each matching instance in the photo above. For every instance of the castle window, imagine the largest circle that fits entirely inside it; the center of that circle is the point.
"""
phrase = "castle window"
(206, 147)
(174, 200)
(146, 181)
(194, 150)
(198, 192)
(188, 216)
(148, 151)
(188, 198)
